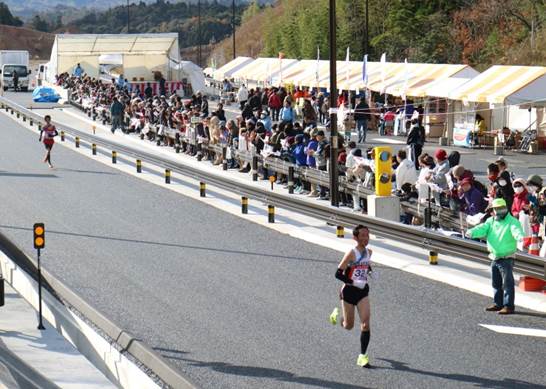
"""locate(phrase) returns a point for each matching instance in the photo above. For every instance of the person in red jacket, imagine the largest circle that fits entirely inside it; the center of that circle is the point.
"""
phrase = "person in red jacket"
(521, 197)
(275, 104)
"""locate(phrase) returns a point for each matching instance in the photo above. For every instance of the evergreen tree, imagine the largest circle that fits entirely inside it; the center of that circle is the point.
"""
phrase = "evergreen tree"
(7, 18)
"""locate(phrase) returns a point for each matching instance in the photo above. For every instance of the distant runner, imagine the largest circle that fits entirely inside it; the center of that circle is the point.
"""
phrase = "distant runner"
(353, 270)
(47, 135)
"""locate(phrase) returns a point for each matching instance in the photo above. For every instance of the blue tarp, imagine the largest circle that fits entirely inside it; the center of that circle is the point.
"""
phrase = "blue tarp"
(45, 94)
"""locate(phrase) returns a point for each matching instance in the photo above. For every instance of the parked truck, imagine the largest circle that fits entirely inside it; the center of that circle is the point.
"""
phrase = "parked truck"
(15, 61)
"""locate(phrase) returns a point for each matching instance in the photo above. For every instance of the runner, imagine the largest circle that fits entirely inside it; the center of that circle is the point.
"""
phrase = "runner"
(47, 134)
(354, 270)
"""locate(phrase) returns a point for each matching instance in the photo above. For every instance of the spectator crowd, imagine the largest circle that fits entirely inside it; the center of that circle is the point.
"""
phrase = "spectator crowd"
(291, 125)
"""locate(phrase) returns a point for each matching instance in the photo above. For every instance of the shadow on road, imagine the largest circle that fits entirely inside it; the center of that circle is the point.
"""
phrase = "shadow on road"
(85, 171)
(479, 382)
(255, 371)
(182, 246)
(32, 175)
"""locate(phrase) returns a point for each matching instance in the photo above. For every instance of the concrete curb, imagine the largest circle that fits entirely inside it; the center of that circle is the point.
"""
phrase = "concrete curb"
(17, 268)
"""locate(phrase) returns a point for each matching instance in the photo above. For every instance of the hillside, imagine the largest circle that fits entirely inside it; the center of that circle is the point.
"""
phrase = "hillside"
(18, 38)
(28, 8)
(476, 32)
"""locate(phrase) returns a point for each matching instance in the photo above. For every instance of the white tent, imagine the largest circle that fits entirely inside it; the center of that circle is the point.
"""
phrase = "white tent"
(141, 53)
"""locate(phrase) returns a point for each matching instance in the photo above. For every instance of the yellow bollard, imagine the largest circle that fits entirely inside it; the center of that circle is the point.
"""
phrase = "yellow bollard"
(432, 257)
(167, 176)
(77, 142)
(244, 205)
(202, 189)
(94, 149)
(62, 136)
(340, 232)
(114, 157)
(271, 213)
(138, 166)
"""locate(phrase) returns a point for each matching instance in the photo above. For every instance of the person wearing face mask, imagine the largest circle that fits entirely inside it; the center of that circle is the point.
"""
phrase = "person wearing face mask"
(521, 200)
(502, 233)
(500, 185)
(534, 186)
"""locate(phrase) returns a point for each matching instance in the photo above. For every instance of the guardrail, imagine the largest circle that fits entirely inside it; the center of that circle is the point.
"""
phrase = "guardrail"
(66, 296)
(524, 263)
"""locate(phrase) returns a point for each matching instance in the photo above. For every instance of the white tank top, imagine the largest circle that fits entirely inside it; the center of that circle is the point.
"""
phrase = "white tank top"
(359, 268)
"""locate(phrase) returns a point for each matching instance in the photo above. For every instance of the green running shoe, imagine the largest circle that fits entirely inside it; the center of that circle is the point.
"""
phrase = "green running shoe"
(363, 360)
(334, 315)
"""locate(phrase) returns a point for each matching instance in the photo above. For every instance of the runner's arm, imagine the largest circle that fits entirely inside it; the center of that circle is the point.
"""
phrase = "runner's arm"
(342, 266)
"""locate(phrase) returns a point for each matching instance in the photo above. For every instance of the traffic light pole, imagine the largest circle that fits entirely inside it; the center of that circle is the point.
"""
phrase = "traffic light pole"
(40, 323)
(334, 187)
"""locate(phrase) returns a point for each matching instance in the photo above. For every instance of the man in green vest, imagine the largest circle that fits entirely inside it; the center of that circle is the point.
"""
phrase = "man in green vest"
(502, 233)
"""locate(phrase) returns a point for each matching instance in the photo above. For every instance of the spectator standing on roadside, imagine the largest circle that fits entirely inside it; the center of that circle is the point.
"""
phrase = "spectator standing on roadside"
(116, 111)
(287, 114)
(242, 96)
(362, 116)
(502, 233)
(148, 91)
(415, 141)
(78, 71)
(275, 104)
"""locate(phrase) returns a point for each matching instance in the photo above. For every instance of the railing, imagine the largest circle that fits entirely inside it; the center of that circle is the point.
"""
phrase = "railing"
(416, 236)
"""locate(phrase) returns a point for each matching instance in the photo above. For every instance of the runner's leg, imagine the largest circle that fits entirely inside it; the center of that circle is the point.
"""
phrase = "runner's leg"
(363, 307)
(348, 315)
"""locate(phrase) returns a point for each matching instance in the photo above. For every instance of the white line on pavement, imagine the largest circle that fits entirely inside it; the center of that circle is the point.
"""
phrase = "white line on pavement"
(516, 330)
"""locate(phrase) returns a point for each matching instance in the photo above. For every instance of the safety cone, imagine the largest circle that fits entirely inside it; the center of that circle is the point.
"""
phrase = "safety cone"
(534, 248)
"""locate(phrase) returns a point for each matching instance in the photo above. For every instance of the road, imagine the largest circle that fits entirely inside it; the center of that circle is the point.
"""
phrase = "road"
(236, 305)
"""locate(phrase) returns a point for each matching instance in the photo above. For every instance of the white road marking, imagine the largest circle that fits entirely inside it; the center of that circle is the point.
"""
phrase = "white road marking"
(516, 330)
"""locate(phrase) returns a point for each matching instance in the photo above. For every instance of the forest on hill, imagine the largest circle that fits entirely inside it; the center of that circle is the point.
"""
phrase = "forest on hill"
(477, 32)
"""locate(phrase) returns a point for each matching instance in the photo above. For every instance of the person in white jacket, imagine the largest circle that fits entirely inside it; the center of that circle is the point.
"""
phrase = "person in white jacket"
(242, 96)
(405, 172)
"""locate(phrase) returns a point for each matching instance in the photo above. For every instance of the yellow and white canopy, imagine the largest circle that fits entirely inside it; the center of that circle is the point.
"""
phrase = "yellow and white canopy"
(231, 67)
(510, 85)
(264, 70)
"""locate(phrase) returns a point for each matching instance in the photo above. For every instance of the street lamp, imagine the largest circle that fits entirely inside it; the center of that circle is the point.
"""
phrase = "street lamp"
(334, 189)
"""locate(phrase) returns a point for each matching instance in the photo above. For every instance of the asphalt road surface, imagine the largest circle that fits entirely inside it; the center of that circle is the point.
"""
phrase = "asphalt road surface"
(236, 305)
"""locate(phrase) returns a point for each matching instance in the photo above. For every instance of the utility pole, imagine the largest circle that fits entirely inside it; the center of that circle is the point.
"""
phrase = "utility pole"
(233, 26)
(334, 190)
(128, 31)
(367, 31)
(199, 31)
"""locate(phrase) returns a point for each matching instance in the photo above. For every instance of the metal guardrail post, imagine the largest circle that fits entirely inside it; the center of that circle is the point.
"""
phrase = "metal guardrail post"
(224, 158)
(291, 179)
(255, 168)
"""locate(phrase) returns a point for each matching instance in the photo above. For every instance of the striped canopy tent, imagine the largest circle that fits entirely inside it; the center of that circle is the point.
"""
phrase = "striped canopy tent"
(231, 67)
(264, 70)
(301, 69)
(309, 77)
(421, 76)
(508, 85)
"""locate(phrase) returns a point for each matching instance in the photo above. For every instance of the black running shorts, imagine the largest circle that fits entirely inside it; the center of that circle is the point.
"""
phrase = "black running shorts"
(352, 295)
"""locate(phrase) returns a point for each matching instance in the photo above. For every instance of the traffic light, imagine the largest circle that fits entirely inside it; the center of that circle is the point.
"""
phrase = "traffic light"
(39, 236)
(383, 171)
